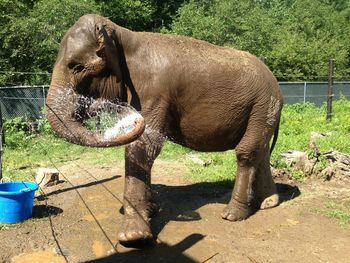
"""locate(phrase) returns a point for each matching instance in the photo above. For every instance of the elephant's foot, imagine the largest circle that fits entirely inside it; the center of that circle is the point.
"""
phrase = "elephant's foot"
(270, 202)
(266, 197)
(136, 229)
(236, 211)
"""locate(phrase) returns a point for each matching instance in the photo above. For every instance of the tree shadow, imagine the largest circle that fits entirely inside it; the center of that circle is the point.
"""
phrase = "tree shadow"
(58, 191)
(42, 211)
(161, 252)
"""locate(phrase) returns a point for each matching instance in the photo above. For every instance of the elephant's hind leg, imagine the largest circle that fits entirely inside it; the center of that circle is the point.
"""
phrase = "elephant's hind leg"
(138, 202)
(250, 152)
(264, 187)
(240, 206)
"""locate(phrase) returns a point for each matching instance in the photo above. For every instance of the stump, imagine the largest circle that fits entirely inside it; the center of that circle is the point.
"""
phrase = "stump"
(47, 177)
(337, 164)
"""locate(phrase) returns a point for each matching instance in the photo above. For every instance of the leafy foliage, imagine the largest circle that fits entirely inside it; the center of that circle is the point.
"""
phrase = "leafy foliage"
(296, 37)
(32, 41)
(32, 30)
(17, 132)
(131, 14)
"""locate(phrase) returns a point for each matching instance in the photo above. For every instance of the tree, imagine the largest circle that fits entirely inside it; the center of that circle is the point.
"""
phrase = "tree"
(135, 15)
(147, 15)
(311, 34)
(32, 40)
(297, 37)
(9, 11)
(31, 30)
(165, 11)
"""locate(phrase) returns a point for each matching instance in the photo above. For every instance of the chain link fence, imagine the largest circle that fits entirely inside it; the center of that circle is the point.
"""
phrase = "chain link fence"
(314, 92)
(30, 100)
(26, 101)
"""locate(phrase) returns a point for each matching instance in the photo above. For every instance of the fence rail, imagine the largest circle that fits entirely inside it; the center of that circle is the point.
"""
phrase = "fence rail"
(315, 92)
(30, 100)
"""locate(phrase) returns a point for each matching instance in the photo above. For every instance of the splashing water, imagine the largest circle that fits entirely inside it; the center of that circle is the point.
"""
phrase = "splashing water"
(109, 119)
(123, 126)
(105, 118)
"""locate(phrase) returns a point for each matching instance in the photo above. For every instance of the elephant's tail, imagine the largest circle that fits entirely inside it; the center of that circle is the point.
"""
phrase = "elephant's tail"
(275, 135)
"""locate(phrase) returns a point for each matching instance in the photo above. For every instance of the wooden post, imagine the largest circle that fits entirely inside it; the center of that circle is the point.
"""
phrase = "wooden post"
(330, 89)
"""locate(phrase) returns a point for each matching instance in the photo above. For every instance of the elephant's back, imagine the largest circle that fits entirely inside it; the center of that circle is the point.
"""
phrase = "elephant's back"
(203, 63)
(197, 50)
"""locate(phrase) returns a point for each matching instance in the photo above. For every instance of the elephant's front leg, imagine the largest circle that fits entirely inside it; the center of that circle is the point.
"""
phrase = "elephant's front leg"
(138, 203)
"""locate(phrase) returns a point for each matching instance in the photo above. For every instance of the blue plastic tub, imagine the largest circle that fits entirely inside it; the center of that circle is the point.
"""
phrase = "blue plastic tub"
(16, 201)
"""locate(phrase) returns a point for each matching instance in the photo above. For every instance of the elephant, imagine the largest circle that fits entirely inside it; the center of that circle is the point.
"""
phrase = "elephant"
(199, 95)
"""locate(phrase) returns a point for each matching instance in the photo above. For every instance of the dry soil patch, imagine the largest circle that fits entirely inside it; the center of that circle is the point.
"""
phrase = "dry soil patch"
(80, 221)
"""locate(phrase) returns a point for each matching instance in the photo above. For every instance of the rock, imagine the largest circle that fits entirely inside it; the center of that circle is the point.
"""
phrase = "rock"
(341, 158)
(334, 165)
(47, 177)
(194, 158)
(340, 164)
(315, 135)
(299, 160)
(292, 157)
(327, 173)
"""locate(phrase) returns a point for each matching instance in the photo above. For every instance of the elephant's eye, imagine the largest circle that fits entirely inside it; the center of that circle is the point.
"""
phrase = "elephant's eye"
(76, 68)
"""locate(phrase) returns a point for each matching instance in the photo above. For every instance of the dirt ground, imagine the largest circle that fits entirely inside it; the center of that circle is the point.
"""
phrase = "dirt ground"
(188, 227)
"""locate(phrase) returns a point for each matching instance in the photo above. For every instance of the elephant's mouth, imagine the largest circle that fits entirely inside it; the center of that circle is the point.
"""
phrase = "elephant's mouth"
(103, 85)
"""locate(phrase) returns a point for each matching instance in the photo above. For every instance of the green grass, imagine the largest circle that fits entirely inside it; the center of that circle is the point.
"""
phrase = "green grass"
(48, 151)
(299, 120)
(25, 152)
(339, 210)
(172, 151)
(221, 166)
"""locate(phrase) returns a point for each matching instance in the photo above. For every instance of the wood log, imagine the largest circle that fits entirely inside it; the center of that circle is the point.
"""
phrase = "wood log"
(47, 177)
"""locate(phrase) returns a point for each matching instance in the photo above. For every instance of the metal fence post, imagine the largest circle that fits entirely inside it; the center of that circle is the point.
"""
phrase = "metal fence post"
(305, 91)
(330, 89)
(43, 89)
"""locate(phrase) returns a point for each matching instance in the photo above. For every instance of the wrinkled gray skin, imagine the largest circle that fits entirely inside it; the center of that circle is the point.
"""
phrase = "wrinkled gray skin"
(202, 96)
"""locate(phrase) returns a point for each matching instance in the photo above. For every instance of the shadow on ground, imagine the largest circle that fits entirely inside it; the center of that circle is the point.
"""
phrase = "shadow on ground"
(161, 252)
(59, 191)
(42, 211)
(179, 203)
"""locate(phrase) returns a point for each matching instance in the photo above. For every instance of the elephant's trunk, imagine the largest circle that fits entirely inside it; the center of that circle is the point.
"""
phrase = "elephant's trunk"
(62, 103)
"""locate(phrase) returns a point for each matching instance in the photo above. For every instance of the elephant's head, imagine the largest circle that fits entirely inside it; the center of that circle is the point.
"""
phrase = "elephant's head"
(88, 65)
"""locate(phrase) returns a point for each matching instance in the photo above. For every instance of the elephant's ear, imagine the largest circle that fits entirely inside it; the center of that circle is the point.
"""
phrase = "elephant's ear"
(108, 50)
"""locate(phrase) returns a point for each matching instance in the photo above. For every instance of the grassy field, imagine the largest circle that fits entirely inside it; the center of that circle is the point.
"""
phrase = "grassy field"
(24, 151)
